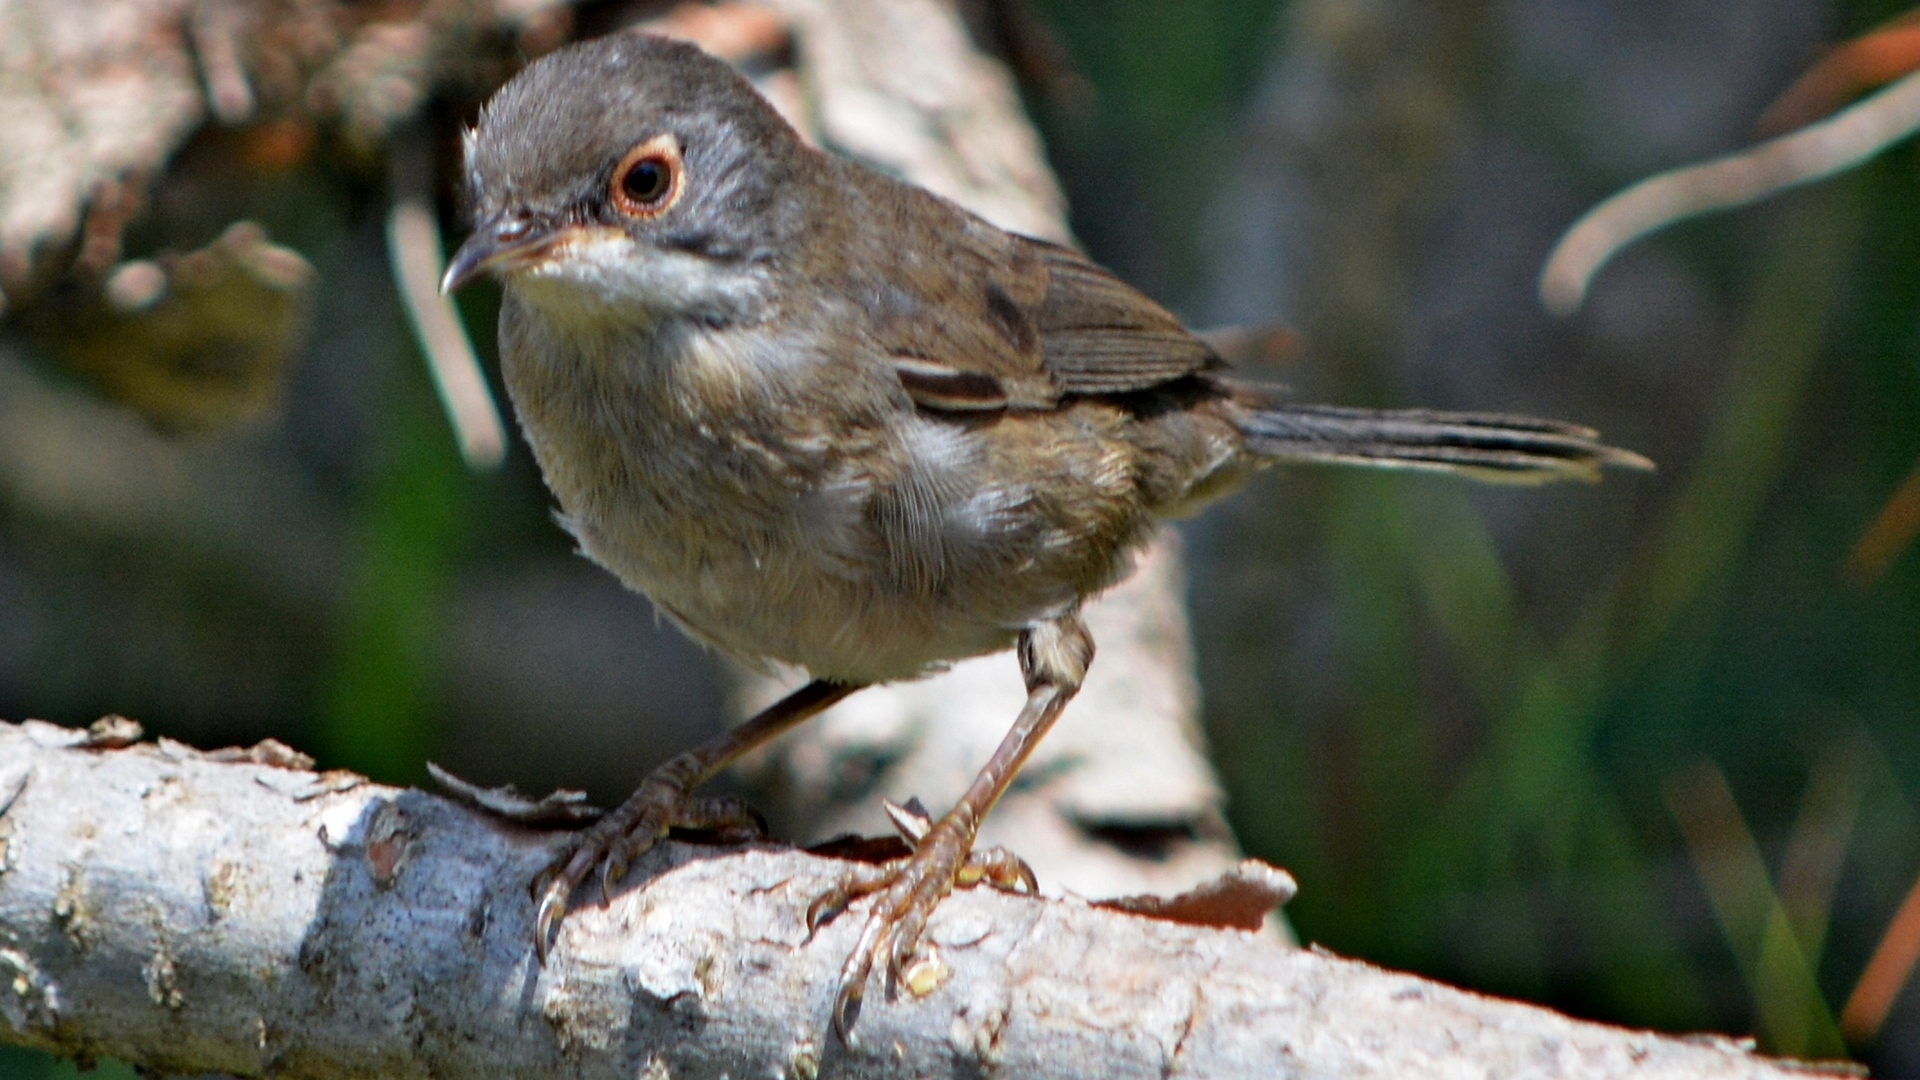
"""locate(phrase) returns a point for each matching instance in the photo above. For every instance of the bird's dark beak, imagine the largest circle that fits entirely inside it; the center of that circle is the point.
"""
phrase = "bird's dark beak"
(505, 237)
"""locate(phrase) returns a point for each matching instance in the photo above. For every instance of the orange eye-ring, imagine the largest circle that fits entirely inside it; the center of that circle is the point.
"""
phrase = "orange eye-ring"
(647, 180)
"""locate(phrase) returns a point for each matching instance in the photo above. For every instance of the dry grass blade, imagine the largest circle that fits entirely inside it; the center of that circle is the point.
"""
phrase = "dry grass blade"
(1817, 847)
(1890, 533)
(1888, 970)
(1792, 1017)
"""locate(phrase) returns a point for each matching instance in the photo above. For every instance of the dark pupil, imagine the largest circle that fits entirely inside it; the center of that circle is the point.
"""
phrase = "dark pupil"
(645, 182)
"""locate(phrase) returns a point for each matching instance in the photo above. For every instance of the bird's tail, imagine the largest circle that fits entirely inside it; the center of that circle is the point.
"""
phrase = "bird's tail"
(1485, 446)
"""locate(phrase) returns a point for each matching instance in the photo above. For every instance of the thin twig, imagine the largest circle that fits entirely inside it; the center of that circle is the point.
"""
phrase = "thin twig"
(1820, 150)
(413, 243)
(215, 32)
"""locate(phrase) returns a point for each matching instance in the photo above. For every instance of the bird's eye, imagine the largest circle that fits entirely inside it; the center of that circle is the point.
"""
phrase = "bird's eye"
(647, 180)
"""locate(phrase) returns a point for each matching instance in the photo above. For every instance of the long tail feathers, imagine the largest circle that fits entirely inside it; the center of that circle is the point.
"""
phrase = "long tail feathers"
(1485, 446)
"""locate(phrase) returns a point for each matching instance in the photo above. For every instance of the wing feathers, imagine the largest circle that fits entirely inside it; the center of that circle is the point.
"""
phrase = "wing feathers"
(1100, 335)
(968, 306)
(937, 386)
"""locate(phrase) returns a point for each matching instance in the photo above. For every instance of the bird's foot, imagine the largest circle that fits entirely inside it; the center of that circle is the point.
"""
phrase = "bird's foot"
(908, 889)
(631, 830)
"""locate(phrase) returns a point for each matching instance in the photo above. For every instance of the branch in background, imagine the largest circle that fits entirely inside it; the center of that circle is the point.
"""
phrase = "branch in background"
(95, 98)
(193, 341)
(418, 259)
(413, 241)
(236, 913)
(1815, 152)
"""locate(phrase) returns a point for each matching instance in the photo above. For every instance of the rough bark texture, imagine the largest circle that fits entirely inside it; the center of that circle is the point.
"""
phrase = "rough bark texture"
(95, 97)
(194, 915)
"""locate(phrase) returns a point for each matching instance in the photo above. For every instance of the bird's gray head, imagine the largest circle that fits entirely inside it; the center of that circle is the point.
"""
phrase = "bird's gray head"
(631, 171)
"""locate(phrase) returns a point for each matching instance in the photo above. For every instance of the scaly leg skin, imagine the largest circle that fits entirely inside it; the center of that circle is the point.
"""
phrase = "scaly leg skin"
(665, 800)
(995, 866)
(1054, 657)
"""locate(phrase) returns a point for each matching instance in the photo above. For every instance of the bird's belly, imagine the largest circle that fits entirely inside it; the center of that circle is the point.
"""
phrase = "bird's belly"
(829, 526)
(784, 554)
(792, 592)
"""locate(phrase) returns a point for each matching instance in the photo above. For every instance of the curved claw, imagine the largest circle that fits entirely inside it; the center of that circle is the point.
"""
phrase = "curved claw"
(1001, 869)
(610, 845)
(546, 919)
(903, 944)
(853, 979)
(827, 907)
(846, 1011)
(1029, 884)
(551, 889)
(859, 880)
(613, 868)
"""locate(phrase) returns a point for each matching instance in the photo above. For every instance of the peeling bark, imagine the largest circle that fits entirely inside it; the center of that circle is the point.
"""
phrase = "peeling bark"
(191, 913)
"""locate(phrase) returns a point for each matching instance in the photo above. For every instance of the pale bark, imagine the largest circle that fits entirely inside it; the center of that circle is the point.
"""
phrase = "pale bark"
(193, 915)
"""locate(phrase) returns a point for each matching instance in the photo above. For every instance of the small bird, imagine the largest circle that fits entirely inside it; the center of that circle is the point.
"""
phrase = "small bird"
(823, 417)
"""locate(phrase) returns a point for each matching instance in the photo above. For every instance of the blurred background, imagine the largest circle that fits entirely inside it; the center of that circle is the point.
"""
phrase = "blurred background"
(1647, 751)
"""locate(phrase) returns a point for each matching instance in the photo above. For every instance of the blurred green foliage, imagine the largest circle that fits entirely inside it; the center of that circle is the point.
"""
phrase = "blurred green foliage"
(1137, 160)
(409, 526)
(19, 1063)
(1165, 68)
(1537, 853)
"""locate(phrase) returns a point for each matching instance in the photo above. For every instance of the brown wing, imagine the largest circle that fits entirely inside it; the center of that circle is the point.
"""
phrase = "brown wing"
(1100, 335)
(977, 318)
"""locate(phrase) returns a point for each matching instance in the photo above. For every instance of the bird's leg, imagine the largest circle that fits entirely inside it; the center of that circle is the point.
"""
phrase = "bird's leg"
(995, 866)
(1054, 657)
(665, 800)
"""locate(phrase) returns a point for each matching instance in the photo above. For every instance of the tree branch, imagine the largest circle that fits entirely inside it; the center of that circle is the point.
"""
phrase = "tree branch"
(190, 914)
